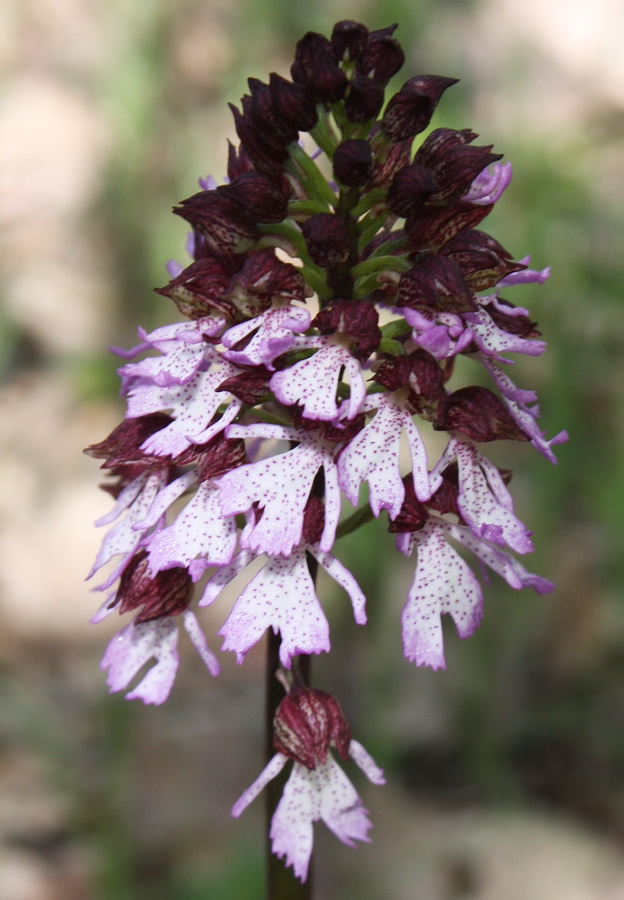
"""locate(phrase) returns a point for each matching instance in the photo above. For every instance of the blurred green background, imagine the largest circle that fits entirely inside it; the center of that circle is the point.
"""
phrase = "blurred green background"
(505, 771)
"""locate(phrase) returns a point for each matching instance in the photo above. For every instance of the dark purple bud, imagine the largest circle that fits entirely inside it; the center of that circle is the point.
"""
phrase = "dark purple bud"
(265, 156)
(364, 99)
(412, 515)
(122, 446)
(345, 433)
(481, 258)
(357, 319)
(307, 721)
(353, 163)
(419, 372)
(313, 520)
(220, 455)
(445, 498)
(327, 238)
(262, 279)
(238, 162)
(433, 226)
(293, 102)
(435, 283)
(479, 413)
(383, 55)
(411, 187)
(270, 126)
(222, 221)
(251, 385)
(388, 161)
(453, 160)
(167, 594)
(200, 289)
(348, 40)
(315, 66)
(410, 110)
(258, 196)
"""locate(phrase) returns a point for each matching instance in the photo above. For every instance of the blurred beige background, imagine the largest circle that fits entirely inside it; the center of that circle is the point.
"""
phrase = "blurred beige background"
(507, 769)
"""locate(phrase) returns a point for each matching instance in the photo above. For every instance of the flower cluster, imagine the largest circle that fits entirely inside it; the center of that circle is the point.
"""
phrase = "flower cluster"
(334, 282)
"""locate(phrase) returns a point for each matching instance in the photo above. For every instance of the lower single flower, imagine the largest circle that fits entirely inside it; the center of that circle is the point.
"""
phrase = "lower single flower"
(323, 792)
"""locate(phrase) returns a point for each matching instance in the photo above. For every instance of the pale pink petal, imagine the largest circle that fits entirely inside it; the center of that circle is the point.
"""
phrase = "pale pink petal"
(199, 642)
(489, 184)
(165, 498)
(516, 401)
(501, 562)
(136, 645)
(346, 580)
(443, 583)
(273, 769)
(224, 575)
(366, 763)
(123, 538)
(275, 335)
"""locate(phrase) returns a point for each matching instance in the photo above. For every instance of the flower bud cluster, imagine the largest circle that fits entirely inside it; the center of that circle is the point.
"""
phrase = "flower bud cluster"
(336, 276)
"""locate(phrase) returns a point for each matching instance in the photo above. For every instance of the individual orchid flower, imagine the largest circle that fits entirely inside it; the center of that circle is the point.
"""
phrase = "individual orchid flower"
(307, 723)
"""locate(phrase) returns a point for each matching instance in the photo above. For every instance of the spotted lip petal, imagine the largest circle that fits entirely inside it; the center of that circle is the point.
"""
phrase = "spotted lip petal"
(324, 793)
(282, 596)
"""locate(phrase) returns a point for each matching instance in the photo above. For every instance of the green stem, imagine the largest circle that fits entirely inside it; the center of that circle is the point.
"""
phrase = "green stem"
(304, 168)
(375, 264)
(360, 517)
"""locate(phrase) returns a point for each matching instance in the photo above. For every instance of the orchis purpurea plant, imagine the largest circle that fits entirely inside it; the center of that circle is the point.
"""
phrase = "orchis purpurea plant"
(334, 281)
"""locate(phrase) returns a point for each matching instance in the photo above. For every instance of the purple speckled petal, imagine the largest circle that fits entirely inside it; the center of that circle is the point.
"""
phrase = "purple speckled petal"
(280, 485)
(224, 575)
(124, 538)
(275, 335)
(516, 401)
(501, 562)
(128, 652)
(193, 406)
(483, 499)
(346, 580)
(443, 583)
(313, 382)
(199, 642)
(373, 456)
(493, 341)
(280, 596)
(198, 530)
(322, 793)
(183, 349)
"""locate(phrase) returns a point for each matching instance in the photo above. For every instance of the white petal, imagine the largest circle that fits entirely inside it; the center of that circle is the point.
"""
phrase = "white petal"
(273, 769)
